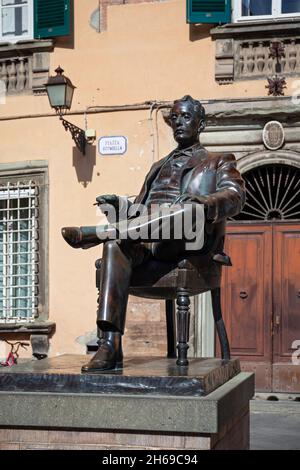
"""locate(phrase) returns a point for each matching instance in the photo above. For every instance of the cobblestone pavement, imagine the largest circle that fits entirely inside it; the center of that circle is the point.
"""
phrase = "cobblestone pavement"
(275, 425)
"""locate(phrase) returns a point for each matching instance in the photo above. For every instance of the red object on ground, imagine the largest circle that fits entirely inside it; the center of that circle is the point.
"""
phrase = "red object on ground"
(10, 361)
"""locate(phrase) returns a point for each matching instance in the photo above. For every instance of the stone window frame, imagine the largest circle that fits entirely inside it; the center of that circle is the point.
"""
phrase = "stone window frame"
(39, 170)
(276, 13)
(13, 39)
(24, 66)
(257, 36)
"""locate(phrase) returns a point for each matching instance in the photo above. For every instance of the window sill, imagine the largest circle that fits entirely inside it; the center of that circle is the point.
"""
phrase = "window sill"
(251, 29)
(41, 328)
(29, 46)
(39, 335)
(256, 20)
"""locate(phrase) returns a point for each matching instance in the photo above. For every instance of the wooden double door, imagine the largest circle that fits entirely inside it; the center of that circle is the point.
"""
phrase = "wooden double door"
(261, 301)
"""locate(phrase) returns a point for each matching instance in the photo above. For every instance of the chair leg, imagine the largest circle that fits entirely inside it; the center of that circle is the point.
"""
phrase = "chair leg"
(171, 333)
(220, 325)
(183, 326)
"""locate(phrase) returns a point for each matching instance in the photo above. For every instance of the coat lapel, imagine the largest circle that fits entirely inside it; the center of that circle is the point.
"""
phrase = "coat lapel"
(197, 155)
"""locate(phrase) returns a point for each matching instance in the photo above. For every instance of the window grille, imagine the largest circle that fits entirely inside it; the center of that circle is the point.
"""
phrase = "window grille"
(272, 194)
(19, 251)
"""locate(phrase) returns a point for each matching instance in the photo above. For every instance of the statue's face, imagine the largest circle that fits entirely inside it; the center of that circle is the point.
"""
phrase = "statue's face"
(185, 123)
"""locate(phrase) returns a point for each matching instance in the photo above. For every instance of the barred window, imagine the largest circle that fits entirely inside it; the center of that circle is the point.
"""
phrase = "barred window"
(20, 231)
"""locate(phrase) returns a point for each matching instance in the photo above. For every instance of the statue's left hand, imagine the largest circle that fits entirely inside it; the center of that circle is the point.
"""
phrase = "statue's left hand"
(189, 198)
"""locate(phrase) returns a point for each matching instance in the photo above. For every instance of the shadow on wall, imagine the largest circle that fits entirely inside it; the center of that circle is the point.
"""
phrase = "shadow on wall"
(200, 31)
(67, 42)
(84, 164)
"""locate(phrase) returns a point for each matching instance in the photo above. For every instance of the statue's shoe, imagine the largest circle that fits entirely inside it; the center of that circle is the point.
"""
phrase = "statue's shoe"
(73, 236)
(82, 237)
(88, 237)
(108, 357)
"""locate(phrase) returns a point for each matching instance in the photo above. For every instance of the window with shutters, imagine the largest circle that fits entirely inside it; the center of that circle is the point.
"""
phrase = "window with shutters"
(27, 35)
(253, 10)
(52, 18)
(22, 249)
(208, 11)
(34, 19)
(16, 20)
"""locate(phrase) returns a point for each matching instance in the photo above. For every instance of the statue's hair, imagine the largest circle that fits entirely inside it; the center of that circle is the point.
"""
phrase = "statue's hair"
(198, 108)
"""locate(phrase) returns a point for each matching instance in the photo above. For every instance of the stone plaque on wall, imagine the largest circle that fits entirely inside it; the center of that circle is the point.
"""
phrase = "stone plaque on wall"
(273, 135)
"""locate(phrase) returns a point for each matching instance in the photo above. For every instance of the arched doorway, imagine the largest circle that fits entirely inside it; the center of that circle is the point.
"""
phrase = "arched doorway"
(262, 291)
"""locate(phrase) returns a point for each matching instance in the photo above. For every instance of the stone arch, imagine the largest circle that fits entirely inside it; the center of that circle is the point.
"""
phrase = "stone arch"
(272, 188)
(268, 157)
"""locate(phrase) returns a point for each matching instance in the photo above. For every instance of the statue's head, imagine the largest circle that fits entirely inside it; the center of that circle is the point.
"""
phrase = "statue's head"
(187, 119)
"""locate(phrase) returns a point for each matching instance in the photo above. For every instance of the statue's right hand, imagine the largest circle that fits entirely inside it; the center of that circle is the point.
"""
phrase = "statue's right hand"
(111, 199)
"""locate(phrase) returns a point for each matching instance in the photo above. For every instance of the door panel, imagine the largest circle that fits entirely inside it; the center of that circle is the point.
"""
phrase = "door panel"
(286, 290)
(247, 291)
(261, 301)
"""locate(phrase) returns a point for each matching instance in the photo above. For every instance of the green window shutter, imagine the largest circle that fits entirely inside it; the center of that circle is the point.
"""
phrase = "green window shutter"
(210, 11)
(51, 18)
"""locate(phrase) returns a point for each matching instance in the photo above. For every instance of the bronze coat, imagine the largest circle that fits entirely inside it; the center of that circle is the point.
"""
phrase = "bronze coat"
(211, 178)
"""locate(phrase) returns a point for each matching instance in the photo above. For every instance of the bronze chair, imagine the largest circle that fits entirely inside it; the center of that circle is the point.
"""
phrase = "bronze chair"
(190, 276)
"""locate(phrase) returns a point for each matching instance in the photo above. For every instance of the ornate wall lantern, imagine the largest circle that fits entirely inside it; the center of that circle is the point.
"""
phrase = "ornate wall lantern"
(60, 92)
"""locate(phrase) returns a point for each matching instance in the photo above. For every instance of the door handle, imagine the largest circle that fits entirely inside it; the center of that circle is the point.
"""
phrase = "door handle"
(243, 295)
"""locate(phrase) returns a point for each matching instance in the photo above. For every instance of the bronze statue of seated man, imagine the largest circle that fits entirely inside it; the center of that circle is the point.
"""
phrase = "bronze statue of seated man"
(187, 179)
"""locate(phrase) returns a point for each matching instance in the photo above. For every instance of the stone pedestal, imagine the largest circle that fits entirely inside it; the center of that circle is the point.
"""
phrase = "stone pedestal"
(159, 407)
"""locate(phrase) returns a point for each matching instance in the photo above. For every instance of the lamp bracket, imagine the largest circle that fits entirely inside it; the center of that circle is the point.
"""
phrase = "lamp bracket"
(78, 135)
